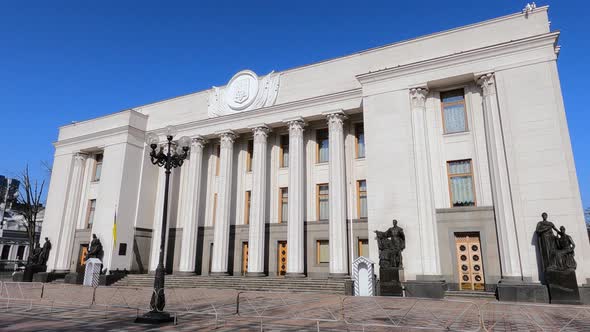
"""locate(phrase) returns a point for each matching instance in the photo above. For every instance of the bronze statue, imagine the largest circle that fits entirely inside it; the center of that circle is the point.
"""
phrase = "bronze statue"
(95, 248)
(44, 254)
(391, 243)
(565, 251)
(34, 259)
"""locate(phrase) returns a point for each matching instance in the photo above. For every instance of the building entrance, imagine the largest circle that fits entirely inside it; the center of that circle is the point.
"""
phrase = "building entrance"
(244, 258)
(82, 256)
(282, 258)
(469, 262)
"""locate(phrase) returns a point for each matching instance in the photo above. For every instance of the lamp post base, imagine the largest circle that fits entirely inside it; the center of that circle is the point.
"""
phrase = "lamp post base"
(155, 317)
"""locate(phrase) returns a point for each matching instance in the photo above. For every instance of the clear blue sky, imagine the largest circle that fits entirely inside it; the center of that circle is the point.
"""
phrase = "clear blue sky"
(62, 61)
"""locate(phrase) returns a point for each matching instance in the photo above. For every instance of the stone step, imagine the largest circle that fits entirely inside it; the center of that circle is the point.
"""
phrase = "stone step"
(471, 294)
(326, 286)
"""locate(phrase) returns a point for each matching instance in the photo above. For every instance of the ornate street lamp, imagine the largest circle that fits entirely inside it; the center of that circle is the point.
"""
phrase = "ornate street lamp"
(169, 155)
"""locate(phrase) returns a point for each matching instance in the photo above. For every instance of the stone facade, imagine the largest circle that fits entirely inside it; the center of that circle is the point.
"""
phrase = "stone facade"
(303, 154)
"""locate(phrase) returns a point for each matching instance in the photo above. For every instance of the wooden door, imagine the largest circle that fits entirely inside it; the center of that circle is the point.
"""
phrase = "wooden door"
(469, 262)
(82, 256)
(244, 258)
(282, 258)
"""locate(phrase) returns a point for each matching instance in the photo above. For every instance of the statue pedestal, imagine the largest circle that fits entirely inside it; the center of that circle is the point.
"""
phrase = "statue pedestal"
(389, 283)
(92, 272)
(563, 287)
(31, 269)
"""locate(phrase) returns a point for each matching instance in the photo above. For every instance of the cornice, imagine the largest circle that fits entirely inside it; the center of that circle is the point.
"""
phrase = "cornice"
(254, 115)
(518, 45)
(99, 135)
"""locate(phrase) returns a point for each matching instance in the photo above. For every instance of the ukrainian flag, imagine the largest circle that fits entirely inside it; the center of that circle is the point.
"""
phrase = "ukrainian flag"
(115, 229)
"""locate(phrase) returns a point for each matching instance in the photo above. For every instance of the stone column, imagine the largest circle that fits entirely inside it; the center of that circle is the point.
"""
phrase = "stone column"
(158, 213)
(221, 230)
(295, 233)
(257, 204)
(66, 240)
(506, 228)
(337, 226)
(191, 213)
(424, 192)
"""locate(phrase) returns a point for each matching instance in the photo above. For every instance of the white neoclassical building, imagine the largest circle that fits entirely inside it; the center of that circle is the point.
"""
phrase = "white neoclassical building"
(460, 135)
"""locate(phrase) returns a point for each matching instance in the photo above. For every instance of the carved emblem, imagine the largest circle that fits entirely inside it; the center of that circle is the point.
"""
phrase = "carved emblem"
(244, 92)
(241, 91)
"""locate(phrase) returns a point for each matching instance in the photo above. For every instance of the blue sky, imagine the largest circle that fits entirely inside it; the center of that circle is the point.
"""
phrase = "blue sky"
(63, 61)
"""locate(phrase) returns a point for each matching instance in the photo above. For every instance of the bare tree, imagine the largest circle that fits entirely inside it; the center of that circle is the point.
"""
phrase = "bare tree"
(29, 204)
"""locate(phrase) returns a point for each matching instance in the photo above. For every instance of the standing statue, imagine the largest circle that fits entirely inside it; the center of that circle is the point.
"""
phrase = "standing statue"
(34, 258)
(44, 254)
(547, 242)
(95, 250)
(391, 243)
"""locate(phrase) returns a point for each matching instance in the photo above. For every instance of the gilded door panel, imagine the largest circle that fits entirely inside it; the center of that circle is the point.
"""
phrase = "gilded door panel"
(282, 258)
(470, 264)
(82, 256)
(244, 258)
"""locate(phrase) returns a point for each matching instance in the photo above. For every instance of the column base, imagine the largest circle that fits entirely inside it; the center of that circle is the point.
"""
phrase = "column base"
(338, 276)
(428, 286)
(255, 274)
(295, 275)
(512, 290)
(155, 317)
(184, 273)
(218, 274)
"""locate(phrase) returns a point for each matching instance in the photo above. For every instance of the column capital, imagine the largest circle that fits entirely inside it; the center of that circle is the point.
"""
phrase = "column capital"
(295, 126)
(418, 97)
(227, 137)
(487, 83)
(260, 131)
(198, 141)
(80, 156)
(335, 119)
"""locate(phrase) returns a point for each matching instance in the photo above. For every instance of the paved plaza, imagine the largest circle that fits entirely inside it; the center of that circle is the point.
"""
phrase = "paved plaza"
(47, 307)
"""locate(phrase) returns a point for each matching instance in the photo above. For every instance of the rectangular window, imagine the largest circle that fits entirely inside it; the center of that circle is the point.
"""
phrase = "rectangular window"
(323, 251)
(323, 146)
(249, 153)
(453, 108)
(461, 186)
(323, 202)
(283, 204)
(20, 252)
(218, 157)
(363, 248)
(214, 209)
(90, 213)
(284, 151)
(5, 252)
(247, 207)
(361, 189)
(97, 167)
(359, 135)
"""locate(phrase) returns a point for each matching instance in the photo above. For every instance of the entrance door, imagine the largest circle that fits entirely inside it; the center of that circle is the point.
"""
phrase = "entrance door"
(244, 258)
(82, 256)
(470, 264)
(282, 258)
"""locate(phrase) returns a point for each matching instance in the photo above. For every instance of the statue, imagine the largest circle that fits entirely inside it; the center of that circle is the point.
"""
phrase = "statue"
(558, 264)
(95, 250)
(391, 243)
(565, 251)
(34, 258)
(44, 254)
(547, 242)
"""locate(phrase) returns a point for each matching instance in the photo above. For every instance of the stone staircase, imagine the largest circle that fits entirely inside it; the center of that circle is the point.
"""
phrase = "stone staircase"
(470, 295)
(276, 284)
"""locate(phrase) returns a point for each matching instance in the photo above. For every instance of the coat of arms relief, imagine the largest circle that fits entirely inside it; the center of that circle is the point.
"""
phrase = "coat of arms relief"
(244, 92)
